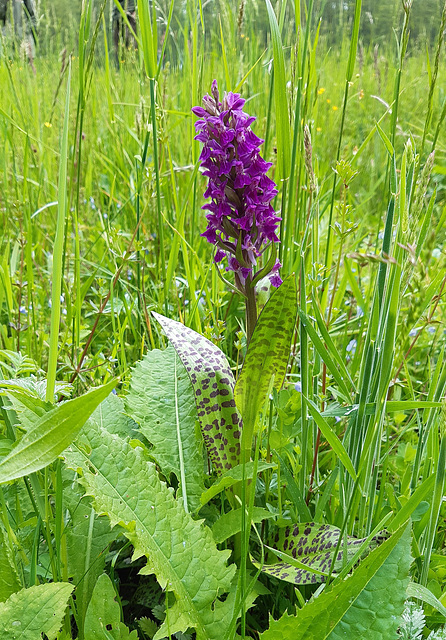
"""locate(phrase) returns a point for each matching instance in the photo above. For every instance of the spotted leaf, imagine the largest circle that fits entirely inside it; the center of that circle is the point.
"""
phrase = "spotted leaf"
(213, 385)
(312, 545)
(368, 604)
(267, 356)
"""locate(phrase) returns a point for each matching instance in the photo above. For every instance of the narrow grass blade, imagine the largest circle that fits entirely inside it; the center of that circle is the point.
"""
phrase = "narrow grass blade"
(332, 439)
(58, 252)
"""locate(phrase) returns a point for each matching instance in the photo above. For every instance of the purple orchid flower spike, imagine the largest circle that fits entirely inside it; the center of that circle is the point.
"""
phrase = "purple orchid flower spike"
(241, 220)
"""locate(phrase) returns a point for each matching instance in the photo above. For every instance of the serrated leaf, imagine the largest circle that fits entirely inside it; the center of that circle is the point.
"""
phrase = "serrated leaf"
(30, 612)
(223, 612)
(213, 385)
(27, 408)
(368, 605)
(267, 356)
(161, 399)
(312, 545)
(52, 433)
(104, 612)
(181, 551)
(147, 626)
(110, 415)
(9, 580)
(35, 388)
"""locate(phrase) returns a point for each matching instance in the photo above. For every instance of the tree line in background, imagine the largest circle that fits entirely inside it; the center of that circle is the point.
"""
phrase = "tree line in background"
(58, 19)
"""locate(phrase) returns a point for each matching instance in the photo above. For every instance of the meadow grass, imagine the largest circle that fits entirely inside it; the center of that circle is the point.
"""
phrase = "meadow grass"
(101, 200)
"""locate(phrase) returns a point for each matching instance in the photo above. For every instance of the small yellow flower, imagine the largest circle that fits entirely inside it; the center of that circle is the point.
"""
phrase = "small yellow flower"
(48, 125)
(318, 129)
(328, 100)
(334, 107)
(361, 94)
(321, 91)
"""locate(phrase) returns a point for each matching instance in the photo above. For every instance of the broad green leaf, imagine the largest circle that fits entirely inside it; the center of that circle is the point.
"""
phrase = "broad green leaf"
(223, 612)
(30, 612)
(104, 613)
(91, 533)
(161, 400)
(311, 545)
(213, 385)
(222, 615)
(111, 415)
(331, 438)
(181, 551)
(9, 580)
(231, 523)
(267, 356)
(52, 433)
(368, 604)
(231, 477)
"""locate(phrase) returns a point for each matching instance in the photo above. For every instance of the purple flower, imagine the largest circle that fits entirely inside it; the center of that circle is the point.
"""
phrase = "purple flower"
(241, 219)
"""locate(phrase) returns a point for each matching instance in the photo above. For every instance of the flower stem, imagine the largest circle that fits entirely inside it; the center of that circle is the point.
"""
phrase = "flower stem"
(251, 309)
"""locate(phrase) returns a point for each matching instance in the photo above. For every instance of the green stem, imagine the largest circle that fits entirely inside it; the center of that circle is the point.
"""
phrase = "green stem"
(158, 187)
(251, 309)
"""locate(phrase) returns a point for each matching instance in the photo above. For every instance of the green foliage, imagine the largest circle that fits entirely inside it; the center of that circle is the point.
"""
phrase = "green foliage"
(180, 552)
(314, 546)
(9, 580)
(92, 534)
(213, 384)
(232, 477)
(50, 435)
(348, 433)
(283, 122)
(231, 523)
(367, 605)
(30, 612)
(161, 400)
(111, 415)
(104, 614)
(267, 357)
